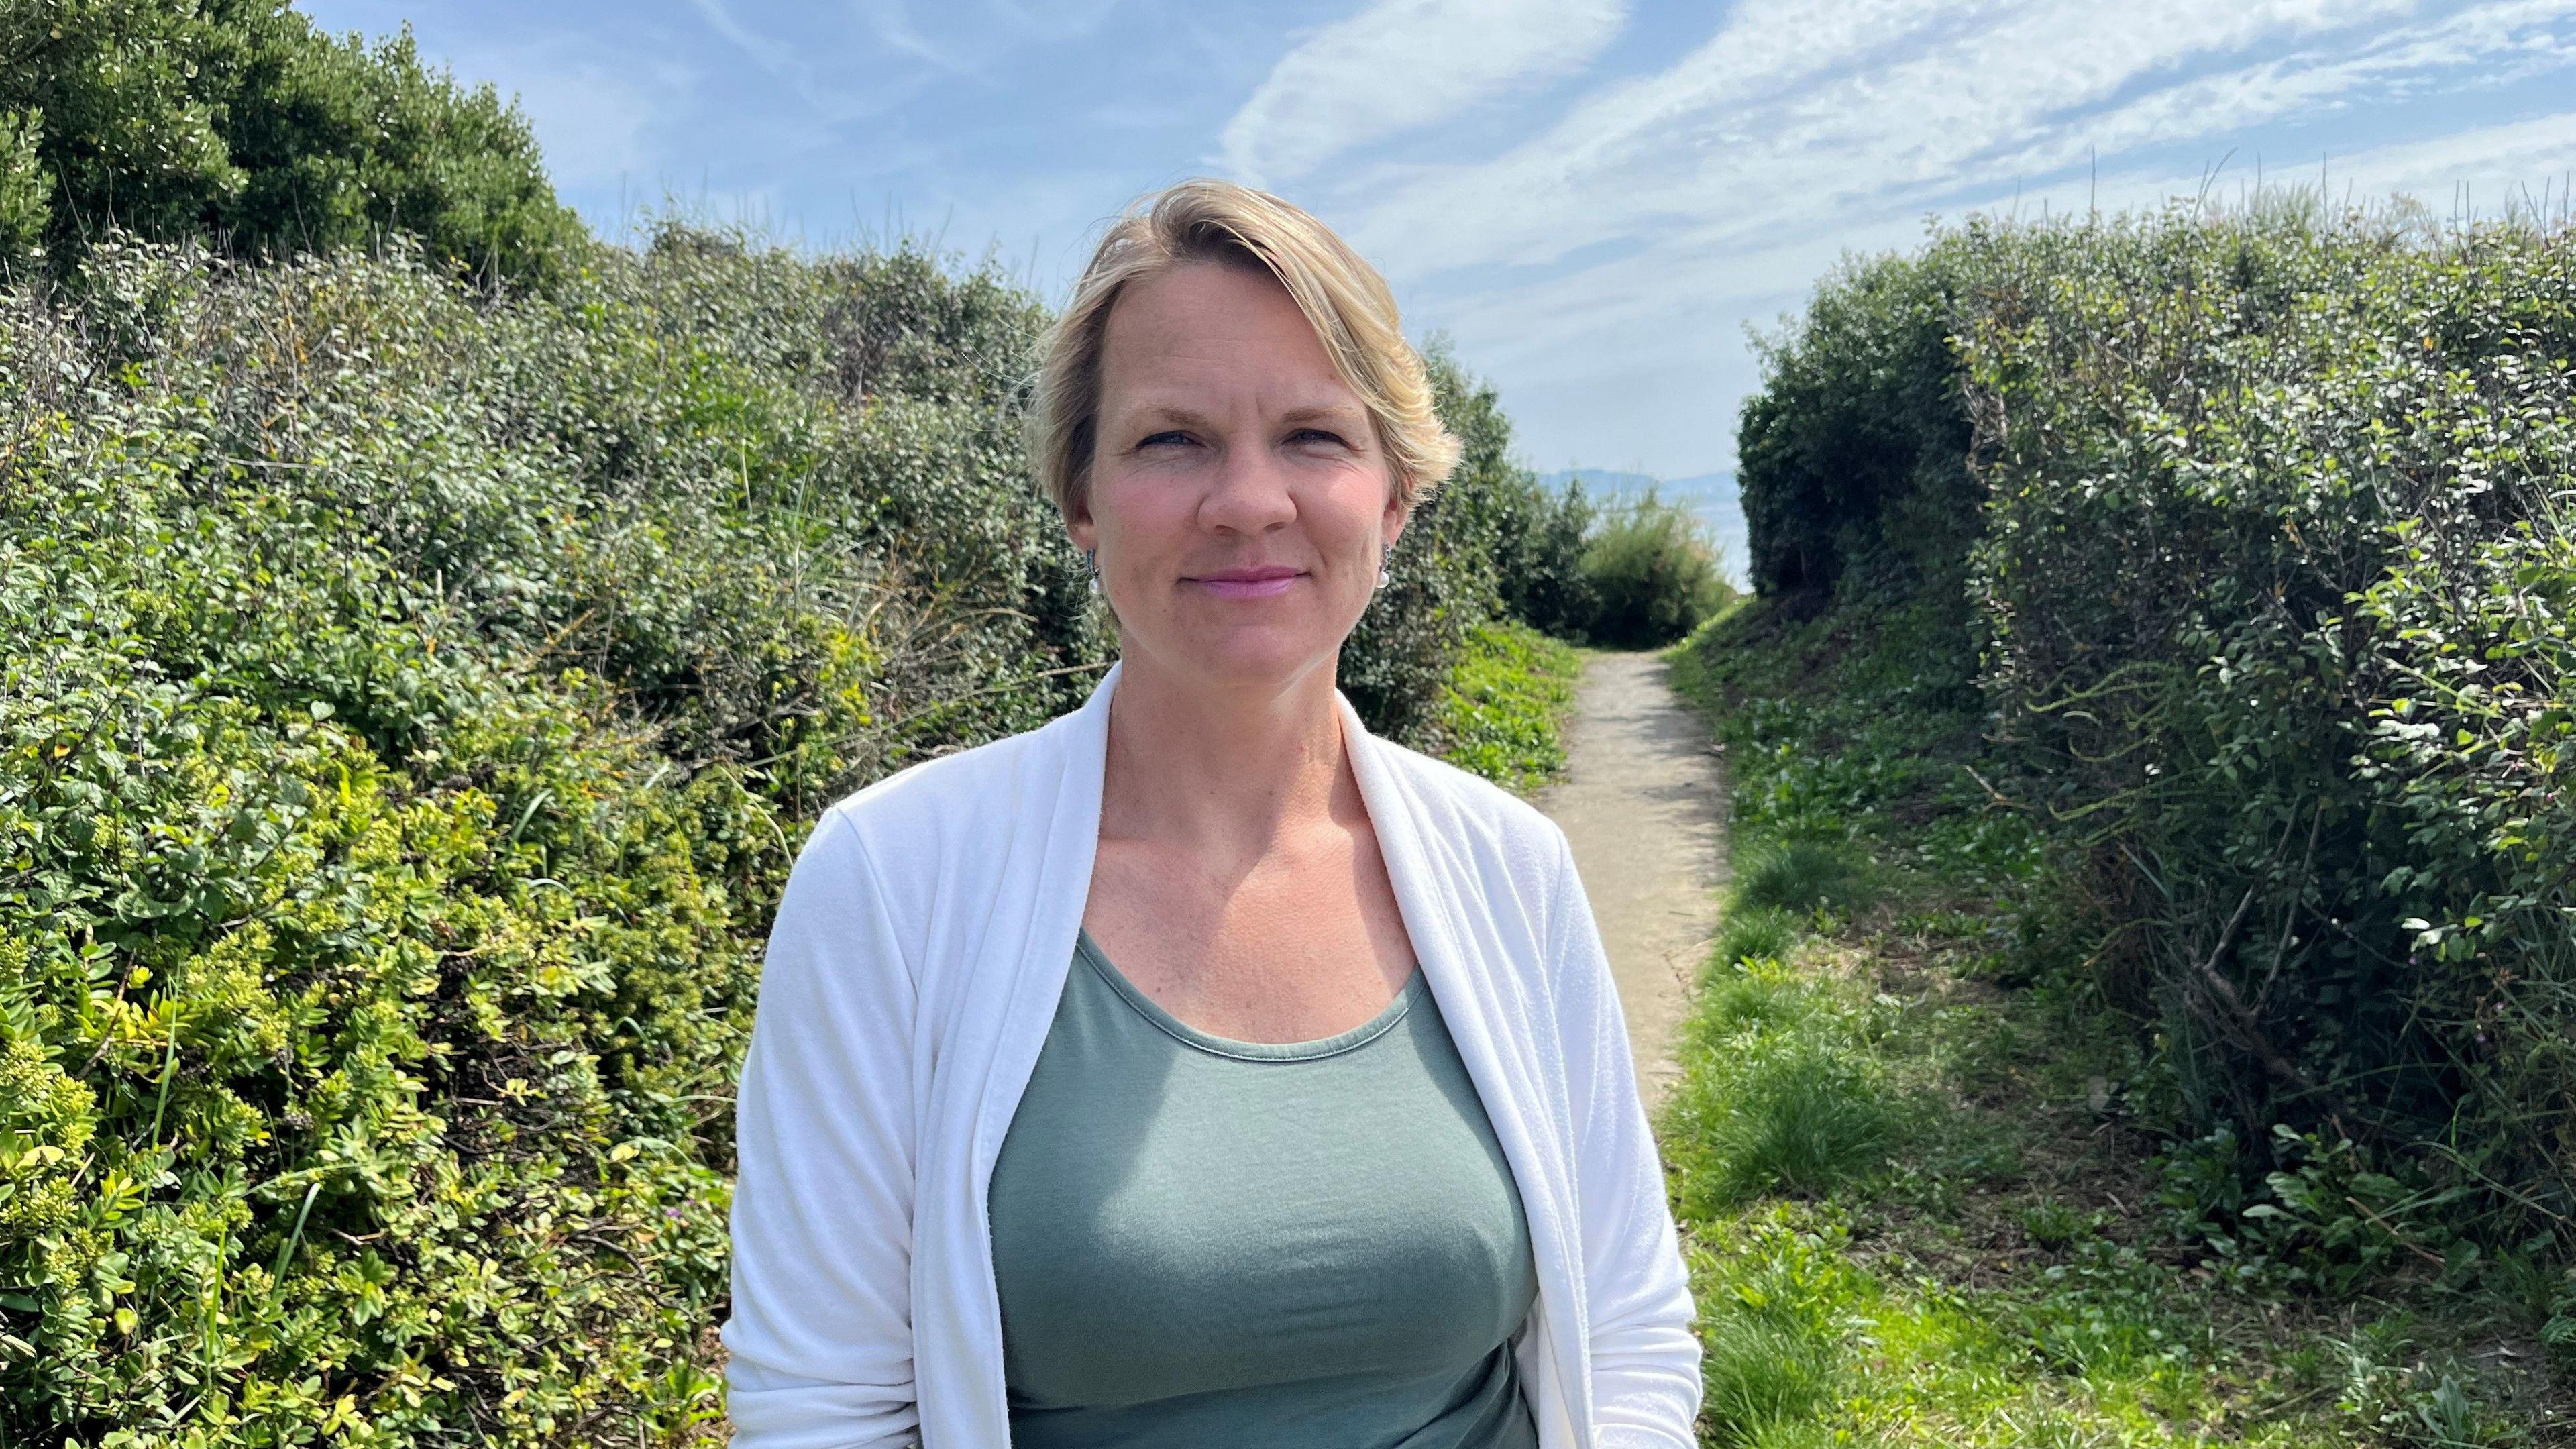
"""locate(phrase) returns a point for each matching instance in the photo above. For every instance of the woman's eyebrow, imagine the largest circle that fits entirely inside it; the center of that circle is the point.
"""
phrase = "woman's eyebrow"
(1321, 413)
(1143, 413)
(1162, 412)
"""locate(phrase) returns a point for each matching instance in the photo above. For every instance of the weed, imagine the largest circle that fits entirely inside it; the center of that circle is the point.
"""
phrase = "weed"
(2050, 1224)
(1503, 706)
(1754, 933)
(1758, 993)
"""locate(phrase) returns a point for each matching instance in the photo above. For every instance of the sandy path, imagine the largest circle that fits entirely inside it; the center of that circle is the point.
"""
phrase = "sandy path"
(1641, 801)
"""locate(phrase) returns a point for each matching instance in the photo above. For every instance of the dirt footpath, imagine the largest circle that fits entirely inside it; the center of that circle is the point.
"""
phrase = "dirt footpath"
(1642, 802)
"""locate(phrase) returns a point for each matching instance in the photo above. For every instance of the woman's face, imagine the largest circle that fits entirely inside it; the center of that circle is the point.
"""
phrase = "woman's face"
(1239, 501)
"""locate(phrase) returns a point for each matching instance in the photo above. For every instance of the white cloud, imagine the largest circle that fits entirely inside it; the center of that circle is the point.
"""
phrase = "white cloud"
(2498, 165)
(2498, 43)
(1401, 64)
(1637, 236)
(1793, 114)
(593, 115)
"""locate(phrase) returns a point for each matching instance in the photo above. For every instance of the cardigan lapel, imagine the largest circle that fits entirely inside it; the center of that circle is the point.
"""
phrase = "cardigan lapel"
(1028, 946)
(1054, 837)
(1437, 892)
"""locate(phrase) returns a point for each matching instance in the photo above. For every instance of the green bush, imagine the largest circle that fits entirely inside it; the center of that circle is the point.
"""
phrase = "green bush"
(25, 207)
(2312, 743)
(242, 122)
(1652, 572)
(1490, 543)
(411, 697)
(2264, 515)
(1855, 448)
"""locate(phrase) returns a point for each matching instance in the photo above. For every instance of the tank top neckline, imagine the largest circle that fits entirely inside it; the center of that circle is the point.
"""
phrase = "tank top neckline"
(1249, 1051)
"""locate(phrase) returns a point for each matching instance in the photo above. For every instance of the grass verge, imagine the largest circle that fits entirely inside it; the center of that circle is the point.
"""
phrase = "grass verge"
(1502, 714)
(1920, 1199)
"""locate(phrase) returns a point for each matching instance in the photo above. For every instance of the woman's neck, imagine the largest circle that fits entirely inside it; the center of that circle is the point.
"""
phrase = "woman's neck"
(1225, 770)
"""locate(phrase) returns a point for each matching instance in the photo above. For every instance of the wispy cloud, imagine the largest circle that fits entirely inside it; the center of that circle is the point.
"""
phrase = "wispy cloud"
(1642, 229)
(768, 54)
(1792, 113)
(889, 23)
(594, 114)
(1402, 64)
(2494, 44)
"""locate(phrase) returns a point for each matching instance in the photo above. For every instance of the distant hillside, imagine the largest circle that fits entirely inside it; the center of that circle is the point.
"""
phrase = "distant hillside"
(1711, 495)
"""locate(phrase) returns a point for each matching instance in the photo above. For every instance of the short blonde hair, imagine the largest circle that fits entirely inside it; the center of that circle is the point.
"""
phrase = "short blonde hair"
(1345, 299)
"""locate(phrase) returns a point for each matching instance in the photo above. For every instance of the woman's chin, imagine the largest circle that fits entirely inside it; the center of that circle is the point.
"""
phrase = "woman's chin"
(1250, 656)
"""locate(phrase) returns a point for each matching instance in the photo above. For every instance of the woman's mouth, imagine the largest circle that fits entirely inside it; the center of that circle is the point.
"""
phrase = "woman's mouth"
(1255, 583)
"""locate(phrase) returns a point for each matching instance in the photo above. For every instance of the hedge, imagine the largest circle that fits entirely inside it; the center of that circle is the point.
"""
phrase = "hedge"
(411, 697)
(2265, 518)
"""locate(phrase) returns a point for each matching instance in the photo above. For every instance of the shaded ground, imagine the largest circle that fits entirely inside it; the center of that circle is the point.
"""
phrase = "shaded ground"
(1642, 801)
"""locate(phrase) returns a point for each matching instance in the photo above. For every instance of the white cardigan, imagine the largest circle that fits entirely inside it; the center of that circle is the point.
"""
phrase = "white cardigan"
(912, 975)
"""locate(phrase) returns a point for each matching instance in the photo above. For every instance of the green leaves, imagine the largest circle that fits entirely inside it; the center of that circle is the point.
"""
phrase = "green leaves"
(185, 121)
(2264, 516)
(411, 699)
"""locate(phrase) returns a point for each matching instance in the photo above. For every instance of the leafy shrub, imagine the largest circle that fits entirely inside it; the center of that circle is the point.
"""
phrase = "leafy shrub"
(1490, 543)
(1652, 572)
(1537, 538)
(2264, 517)
(411, 697)
(2314, 737)
(242, 122)
(24, 191)
(1855, 449)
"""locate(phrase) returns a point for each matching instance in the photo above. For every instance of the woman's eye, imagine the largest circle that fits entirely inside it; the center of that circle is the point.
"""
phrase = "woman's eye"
(1156, 440)
(1317, 435)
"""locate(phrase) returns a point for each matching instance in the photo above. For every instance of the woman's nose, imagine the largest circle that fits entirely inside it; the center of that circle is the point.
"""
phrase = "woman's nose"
(1250, 493)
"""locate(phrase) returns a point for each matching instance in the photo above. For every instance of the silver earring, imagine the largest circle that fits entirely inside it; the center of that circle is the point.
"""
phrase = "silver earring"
(1091, 561)
(1383, 577)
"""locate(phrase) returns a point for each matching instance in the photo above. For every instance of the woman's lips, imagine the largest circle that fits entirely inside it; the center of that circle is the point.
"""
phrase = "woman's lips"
(1248, 583)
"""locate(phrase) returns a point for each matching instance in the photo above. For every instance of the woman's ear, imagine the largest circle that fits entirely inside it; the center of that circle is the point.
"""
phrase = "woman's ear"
(1398, 514)
(1078, 525)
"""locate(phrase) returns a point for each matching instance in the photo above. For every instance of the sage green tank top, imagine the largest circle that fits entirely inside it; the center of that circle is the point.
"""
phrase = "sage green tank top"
(1200, 1241)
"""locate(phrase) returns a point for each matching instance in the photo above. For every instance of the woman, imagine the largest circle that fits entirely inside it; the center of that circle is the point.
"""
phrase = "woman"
(1199, 1069)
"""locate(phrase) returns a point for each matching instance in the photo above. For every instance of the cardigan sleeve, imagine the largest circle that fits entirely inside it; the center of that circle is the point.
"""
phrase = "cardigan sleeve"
(1645, 1353)
(820, 1336)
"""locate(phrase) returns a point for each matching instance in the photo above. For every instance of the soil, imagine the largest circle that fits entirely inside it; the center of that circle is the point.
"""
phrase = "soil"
(1643, 801)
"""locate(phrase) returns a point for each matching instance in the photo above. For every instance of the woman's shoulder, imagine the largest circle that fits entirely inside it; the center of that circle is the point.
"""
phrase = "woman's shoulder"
(1463, 808)
(958, 796)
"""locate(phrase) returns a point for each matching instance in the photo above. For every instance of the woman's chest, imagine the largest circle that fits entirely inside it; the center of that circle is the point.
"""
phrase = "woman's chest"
(1297, 944)
(1170, 1219)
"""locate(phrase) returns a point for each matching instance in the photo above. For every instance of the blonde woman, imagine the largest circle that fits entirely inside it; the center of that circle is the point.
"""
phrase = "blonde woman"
(1200, 1070)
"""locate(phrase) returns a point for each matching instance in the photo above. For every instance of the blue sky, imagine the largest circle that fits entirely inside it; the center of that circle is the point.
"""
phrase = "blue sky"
(1593, 198)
